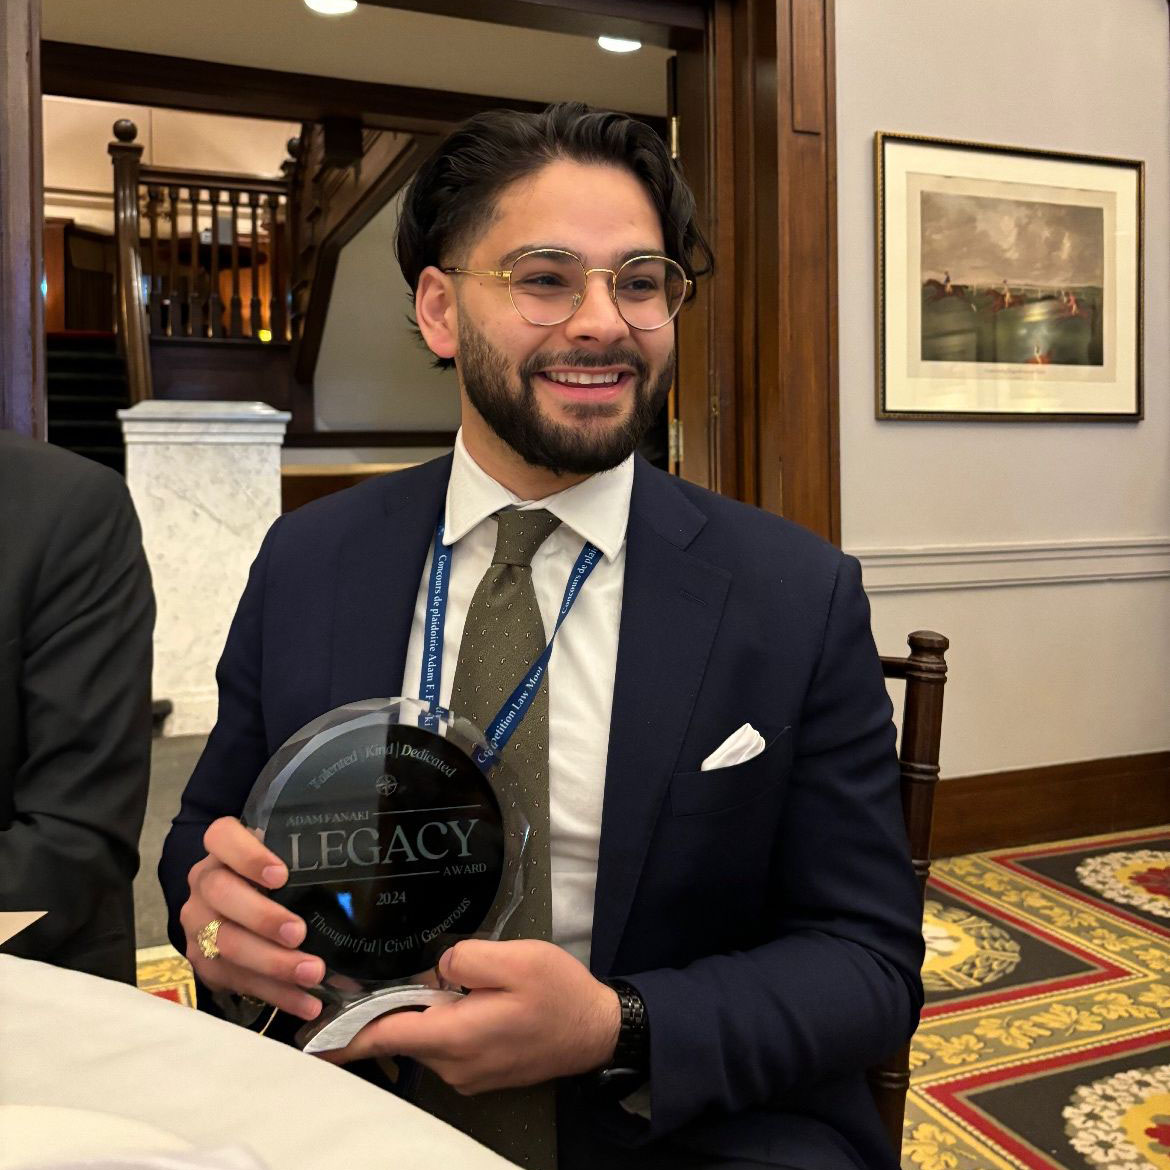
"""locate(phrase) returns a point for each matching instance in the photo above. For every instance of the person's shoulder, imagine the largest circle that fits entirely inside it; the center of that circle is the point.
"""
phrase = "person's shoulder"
(38, 474)
(731, 519)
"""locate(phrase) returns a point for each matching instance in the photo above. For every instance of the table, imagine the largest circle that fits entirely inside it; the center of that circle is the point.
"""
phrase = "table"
(76, 1042)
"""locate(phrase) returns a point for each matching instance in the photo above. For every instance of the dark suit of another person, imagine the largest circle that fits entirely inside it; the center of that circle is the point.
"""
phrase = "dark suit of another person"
(76, 621)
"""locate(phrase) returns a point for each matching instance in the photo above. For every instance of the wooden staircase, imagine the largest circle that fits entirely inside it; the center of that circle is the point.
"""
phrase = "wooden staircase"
(87, 386)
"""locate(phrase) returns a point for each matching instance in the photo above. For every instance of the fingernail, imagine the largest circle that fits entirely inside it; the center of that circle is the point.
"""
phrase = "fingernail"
(273, 875)
(308, 972)
(312, 1009)
(292, 933)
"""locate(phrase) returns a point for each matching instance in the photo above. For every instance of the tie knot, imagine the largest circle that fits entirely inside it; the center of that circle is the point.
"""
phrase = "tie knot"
(520, 534)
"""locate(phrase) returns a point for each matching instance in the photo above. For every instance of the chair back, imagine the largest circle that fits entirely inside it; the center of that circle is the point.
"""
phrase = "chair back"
(924, 671)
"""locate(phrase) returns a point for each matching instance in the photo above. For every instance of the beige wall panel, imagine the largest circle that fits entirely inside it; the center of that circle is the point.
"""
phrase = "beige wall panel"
(1052, 671)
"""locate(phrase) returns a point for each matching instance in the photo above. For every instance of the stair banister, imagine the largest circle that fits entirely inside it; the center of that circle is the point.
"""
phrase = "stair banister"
(130, 307)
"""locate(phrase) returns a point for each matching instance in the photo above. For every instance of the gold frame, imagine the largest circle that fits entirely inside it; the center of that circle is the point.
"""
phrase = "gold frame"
(881, 411)
(506, 274)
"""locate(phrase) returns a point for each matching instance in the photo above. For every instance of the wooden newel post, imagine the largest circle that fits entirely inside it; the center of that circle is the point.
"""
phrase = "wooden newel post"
(130, 306)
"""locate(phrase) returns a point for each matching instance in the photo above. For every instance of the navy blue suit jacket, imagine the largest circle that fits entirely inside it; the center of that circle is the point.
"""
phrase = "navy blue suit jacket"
(767, 912)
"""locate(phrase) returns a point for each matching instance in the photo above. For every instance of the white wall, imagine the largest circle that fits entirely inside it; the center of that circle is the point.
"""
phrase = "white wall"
(79, 176)
(373, 373)
(1052, 540)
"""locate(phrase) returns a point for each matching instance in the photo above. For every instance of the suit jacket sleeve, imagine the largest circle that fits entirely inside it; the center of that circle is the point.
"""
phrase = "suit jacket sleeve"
(236, 750)
(838, 988)
(79, 792)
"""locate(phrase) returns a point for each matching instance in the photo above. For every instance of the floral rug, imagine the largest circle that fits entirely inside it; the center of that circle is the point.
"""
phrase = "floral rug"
(1045, 1042)
(164, 972)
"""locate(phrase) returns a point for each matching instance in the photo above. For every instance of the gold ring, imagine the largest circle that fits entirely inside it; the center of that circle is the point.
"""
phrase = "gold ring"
(206, 939)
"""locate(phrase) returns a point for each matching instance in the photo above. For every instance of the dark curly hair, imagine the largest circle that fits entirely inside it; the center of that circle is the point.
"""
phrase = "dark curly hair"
(453, 194)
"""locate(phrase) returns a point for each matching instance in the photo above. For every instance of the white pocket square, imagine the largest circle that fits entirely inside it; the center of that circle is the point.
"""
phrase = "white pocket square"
(739, 747)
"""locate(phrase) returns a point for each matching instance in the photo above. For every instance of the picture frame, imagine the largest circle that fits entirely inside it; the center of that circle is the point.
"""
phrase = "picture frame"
(1009, 283)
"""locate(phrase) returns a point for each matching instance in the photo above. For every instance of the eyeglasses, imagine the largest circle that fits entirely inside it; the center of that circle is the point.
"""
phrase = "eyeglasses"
(547, 287)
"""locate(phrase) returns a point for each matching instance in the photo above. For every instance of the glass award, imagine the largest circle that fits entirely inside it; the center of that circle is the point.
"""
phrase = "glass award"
(393, 818)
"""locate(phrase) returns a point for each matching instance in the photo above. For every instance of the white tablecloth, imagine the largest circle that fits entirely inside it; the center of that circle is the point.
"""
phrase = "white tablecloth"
(80, 1043)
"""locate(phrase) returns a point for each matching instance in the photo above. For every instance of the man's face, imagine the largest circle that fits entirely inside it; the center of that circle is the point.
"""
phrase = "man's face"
(521, 379)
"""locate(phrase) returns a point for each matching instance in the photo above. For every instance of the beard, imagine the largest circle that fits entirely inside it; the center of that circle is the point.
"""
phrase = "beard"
(598, 443)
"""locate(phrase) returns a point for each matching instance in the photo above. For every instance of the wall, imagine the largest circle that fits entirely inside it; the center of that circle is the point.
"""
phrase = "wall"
(79, 177)
(1042, 550)
(373, 373)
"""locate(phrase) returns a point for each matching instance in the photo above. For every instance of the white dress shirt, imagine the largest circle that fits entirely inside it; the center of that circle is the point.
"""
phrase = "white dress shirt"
(584, 659)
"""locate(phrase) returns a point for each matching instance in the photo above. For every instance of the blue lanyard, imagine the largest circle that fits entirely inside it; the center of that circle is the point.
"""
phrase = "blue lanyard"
(515, 707)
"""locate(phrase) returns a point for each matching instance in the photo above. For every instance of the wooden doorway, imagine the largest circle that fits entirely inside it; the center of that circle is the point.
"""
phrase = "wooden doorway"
(754, 102)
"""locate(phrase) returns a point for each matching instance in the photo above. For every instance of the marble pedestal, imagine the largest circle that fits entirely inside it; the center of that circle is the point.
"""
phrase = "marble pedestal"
(205, 479)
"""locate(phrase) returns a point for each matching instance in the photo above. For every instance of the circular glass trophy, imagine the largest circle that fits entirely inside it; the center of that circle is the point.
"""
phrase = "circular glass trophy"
(389, 816)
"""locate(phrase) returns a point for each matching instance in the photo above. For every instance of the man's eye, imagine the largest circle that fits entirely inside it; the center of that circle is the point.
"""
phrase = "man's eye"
(640, 286)
(543, 282)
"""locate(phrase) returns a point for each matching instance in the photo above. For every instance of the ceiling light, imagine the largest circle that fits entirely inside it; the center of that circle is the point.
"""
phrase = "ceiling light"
(331, 7)
(613, 44)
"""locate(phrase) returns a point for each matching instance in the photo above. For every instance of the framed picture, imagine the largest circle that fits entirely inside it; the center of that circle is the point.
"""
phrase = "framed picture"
(1009, 283)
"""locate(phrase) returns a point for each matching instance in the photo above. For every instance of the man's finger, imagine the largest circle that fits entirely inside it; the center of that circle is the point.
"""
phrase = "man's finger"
(238, 849)
(251, 952)
(274, 991)
(229, 896)
(481, 963)
(422, 1035)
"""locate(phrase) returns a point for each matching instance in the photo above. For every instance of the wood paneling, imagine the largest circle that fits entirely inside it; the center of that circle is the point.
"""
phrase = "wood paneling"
(148, 79)
(999, 809)
(22, 330)
(654, 22)
(758, 142)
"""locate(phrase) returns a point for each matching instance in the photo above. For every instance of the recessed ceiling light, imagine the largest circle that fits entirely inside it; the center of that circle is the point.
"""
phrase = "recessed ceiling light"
(331, 7)
(614, 44)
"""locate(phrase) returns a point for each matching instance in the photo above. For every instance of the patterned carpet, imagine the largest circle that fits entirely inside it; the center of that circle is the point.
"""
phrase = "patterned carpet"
(1045, 1043)
(1045, 1038)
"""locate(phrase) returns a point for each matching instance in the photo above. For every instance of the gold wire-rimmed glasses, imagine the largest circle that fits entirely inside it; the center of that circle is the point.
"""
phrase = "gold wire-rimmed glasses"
(547, 286)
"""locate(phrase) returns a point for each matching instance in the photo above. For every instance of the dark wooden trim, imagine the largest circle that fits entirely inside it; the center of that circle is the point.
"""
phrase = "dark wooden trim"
(671, 23)
(995, 810)
(370, 439)
(117, 75)
(22, 324)
(183, 177)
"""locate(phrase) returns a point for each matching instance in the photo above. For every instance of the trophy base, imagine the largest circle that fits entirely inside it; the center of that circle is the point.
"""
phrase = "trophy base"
(337, 1025)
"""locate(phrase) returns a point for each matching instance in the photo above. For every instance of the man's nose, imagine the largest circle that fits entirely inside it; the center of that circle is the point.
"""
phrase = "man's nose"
(597, 318)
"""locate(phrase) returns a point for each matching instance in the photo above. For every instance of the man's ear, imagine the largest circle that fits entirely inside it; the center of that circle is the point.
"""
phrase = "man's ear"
(436, 312)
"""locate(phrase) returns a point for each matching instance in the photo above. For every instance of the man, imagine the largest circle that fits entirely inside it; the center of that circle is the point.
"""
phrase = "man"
(759, 921)
(75, 657)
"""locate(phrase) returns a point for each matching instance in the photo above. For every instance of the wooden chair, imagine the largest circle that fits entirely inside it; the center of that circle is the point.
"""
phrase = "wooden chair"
(925, 675)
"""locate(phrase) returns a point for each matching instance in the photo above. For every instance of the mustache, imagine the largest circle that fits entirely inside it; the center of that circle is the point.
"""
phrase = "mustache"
(584, 359)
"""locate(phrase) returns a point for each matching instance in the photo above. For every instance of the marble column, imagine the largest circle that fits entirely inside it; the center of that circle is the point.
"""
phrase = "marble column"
(205, 478)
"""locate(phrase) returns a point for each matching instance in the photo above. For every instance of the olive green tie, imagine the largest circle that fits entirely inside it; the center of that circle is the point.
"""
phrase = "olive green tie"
(502, 637)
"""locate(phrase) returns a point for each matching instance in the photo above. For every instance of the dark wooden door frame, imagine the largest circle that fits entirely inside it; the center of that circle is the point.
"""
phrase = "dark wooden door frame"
(22, 330)
(757, 352)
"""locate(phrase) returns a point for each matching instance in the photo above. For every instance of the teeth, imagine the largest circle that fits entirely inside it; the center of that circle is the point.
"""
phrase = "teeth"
(583, 379)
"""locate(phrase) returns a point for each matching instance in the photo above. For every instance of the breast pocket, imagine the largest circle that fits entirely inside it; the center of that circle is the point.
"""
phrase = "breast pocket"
(692, 793)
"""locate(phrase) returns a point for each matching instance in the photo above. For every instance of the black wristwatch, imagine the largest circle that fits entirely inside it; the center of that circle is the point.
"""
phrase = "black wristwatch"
(630, 1065)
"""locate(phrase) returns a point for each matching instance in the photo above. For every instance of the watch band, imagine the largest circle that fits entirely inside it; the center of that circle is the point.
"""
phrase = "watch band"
(633, 1042)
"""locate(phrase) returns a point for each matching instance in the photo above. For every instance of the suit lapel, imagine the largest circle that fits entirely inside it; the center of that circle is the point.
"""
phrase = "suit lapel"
(671, 607)
(378, 578)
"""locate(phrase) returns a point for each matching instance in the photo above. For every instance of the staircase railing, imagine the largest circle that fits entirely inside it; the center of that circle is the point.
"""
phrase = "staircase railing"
(211, 263)
(130, 316)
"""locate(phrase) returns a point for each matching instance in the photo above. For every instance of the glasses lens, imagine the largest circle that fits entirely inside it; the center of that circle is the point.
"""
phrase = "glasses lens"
(547, 287)
(650, 291)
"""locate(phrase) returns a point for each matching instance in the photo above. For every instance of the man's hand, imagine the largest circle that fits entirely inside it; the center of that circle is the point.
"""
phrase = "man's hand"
(533, 1013)
(258, 938)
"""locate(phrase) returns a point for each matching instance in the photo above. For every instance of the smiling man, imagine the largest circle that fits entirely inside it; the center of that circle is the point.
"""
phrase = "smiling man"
(723, 929)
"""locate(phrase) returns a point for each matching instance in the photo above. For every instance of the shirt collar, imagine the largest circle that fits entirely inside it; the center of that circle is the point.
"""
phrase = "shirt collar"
(597, 509)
